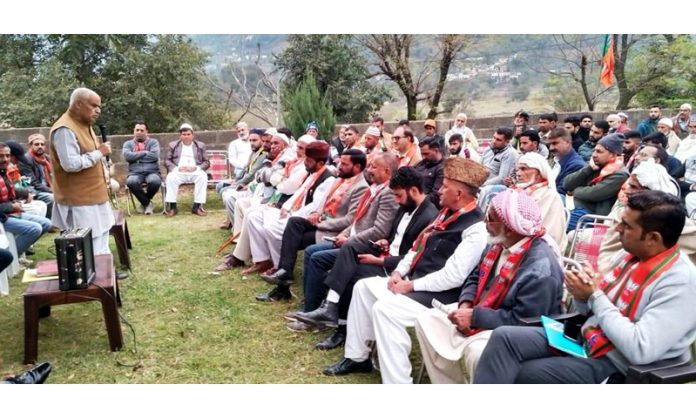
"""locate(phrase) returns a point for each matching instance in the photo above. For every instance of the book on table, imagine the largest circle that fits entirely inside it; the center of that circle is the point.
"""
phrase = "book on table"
(47, 268)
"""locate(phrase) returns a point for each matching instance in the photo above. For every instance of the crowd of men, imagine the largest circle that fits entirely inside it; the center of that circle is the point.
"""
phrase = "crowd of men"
(392, 224)
(437, 233)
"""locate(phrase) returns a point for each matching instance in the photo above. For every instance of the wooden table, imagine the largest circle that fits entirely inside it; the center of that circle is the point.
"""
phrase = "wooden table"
(123, 242)
(45, 294)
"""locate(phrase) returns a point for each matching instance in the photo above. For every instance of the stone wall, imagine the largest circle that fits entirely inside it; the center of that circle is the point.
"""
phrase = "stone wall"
(218, 140)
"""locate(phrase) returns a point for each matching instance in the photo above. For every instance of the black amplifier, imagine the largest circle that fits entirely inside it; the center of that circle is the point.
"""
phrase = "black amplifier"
(75, 258)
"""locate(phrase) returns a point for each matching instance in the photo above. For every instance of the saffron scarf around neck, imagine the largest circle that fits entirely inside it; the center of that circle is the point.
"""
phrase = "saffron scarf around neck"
(614, 165)
(45, 164)
(630, 278)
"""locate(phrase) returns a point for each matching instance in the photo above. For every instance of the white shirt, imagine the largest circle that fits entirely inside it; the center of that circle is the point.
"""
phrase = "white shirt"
(399, 236)
(318, 199)
(239, 153)
(457, 268)
(186, 159)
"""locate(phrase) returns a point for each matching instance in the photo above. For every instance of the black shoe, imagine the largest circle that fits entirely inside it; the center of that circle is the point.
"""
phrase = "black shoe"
(326, 314)
(121, 275)
(30, 251)
(280, 277)
(274, 295)
(348, 366)
(36, 375)
(335, 340)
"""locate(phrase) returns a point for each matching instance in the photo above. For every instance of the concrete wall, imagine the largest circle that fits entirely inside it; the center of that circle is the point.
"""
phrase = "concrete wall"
(218, 140)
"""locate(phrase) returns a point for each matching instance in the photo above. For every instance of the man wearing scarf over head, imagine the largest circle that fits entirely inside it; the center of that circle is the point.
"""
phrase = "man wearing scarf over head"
(535, 177)
(518, 276)
(640, 313)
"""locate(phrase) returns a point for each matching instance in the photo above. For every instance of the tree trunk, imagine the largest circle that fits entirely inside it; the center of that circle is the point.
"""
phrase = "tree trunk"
(583, 84)
(411, 102)
(620, 56)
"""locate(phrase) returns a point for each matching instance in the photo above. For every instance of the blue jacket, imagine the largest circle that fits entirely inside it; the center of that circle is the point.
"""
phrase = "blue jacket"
(571, 163)
(647, 127)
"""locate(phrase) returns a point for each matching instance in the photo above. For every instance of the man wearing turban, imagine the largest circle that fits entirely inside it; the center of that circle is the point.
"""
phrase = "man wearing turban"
(518, 276)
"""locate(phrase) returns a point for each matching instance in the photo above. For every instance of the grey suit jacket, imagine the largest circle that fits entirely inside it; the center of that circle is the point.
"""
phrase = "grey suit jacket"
(377, 223)
(346, 211)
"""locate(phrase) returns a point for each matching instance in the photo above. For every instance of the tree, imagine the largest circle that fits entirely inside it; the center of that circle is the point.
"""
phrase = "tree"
(339, 70)
(305, 104)
(156, 78)
(422, 80)
(649, 64)
(576, 58)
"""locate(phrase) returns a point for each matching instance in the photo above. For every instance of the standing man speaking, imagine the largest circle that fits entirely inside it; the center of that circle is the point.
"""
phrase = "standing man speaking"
(80, 182)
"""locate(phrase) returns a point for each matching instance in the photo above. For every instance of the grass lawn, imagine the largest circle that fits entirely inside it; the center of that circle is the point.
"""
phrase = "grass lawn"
(190, 326)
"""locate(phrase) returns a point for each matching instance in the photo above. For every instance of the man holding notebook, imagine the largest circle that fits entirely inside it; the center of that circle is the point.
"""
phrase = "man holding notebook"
(641, 311)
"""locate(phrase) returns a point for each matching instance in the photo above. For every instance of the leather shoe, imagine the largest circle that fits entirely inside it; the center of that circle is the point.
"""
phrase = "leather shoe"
(274, 295)
(298, 326)
(199, 211)
(279, 277)
(347, 366)
(259, 267)
(121, 275)
(35, 375)
(229, 262)
(326, 314)
(171, 212)
(335, 340)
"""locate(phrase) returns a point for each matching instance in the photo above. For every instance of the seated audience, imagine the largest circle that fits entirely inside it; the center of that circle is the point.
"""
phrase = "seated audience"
(499, 158)
(687, 146)
(566, 160)
(596, 186)
(535, 178)
(38, 169)
(598, 131)
(530, 142)
(187, 160)
(26, 228)
(405, 148)
(431, 168)
(518, 276)
(640, 312)
(142, 154)
(382, 307)
(675, 168)
(456, 149)
(336, 214)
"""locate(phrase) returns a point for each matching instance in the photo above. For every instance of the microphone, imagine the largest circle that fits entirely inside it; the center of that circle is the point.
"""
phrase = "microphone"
(102, 131)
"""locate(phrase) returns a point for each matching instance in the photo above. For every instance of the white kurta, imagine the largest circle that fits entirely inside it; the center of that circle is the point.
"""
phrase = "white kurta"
(377, 314)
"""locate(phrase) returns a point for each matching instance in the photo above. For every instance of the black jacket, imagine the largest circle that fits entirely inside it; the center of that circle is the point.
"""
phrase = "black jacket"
(433, 173)
(423, 216)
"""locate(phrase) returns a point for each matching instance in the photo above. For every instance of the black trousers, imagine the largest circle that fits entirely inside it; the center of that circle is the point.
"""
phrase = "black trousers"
(347, 271)
(153, 180)
(522, 355)
(299, 234)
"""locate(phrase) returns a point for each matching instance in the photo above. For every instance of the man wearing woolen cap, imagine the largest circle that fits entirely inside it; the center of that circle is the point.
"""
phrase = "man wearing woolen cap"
(596, 186)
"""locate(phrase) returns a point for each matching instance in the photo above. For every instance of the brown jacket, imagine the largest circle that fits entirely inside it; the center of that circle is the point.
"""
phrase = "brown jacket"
(85, 187)
(174, 154)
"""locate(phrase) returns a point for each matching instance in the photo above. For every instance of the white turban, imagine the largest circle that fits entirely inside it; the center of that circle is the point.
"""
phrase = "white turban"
(535, 160)
(306, 139)
(654, 176)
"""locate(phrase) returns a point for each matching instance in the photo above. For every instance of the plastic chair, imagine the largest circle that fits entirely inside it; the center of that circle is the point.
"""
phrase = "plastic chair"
(219, 168)
(587, 238)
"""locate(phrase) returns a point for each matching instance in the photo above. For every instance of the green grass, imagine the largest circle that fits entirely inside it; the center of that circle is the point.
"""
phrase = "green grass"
(191, 326)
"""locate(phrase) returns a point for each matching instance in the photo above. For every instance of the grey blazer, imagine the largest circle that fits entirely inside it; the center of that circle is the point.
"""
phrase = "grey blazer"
(377, 223)
(346, 211)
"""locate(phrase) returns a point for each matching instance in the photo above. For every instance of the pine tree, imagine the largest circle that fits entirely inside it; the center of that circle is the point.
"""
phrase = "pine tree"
(305, 104)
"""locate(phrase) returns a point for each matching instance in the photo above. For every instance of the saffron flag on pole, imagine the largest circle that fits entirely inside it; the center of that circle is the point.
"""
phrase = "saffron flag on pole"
(607, 76)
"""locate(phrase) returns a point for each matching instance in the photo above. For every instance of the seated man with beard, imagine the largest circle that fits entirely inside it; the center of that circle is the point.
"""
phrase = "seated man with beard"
(383, 307)
(639, 313)
(519, 276)
(356, 261)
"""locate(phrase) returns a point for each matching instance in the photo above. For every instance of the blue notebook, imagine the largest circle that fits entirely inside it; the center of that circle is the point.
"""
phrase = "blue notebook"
(557, 340)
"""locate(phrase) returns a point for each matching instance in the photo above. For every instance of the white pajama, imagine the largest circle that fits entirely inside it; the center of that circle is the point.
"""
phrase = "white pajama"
(176, 178)
(266, 234)
(448, 355)
(377, 314)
